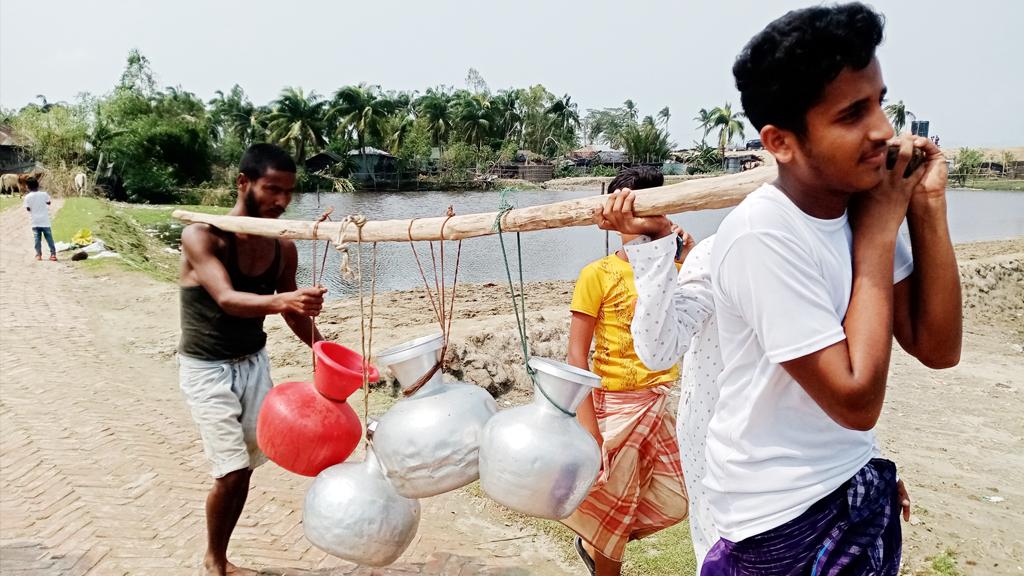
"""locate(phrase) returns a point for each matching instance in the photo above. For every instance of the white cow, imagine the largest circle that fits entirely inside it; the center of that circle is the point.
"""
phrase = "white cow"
(80, 182)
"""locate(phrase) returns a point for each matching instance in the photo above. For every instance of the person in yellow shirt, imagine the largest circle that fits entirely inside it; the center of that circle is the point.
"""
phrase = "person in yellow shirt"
(640, 490)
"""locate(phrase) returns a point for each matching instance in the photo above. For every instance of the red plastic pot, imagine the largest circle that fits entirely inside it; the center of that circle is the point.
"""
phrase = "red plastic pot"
(304, 432)
(339, 371)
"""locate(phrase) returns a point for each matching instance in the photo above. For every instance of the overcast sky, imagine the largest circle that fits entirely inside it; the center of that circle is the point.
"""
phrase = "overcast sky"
(954, 63)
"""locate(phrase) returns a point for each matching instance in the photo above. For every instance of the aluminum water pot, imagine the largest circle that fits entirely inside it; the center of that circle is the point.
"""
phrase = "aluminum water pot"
(354, 513)
(428, 443)
(537, 459)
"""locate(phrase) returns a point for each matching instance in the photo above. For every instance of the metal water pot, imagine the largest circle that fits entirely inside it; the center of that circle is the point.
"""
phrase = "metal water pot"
(537, 459)
(428, 443)
(354, 513)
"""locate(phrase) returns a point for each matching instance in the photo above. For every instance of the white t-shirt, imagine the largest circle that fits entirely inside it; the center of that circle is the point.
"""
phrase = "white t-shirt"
(781, 282)
(38, 204)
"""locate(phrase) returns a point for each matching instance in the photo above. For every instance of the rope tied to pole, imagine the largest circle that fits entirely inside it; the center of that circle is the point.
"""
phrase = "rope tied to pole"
(343, 247)
(503, 208)
(314, 280)
(444, 316)
(365, 324)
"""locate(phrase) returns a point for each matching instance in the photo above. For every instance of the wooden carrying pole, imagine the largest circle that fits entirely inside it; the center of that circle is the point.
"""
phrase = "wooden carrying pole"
(700, 194)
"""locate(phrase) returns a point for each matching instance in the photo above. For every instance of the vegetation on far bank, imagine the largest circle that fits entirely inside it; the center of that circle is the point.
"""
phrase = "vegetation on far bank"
(151, 145)
(1013, 185)
(123, 228)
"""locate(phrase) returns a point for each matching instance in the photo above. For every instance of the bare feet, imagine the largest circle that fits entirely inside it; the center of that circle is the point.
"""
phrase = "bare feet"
(210, 569)
(233, 570)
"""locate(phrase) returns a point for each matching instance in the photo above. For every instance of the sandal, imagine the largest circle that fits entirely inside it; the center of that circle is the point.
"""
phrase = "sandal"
(587, 560)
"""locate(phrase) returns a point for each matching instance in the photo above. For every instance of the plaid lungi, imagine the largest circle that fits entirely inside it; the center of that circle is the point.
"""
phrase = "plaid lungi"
(854, 530)
(640, 490)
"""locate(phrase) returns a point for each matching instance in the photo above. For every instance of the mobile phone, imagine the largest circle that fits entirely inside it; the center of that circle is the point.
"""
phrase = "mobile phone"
(680, 244)
(893, 153)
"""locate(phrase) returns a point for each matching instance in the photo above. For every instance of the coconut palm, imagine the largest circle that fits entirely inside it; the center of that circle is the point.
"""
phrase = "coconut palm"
(473, 114)
(234, 114)
(646, 142)
(297, 120)
(435, 109)
(729, 124)
(564, 115)
(632, 112)
(363, 111)
(704, 119)
(663, 116)
(898, 114)
(508, 115)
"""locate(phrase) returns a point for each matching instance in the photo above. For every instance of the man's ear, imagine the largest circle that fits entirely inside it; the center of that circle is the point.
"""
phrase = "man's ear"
(242, 182)
(781, 143)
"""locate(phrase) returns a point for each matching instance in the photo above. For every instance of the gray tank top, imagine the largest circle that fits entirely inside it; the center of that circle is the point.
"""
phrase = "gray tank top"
(209, 333)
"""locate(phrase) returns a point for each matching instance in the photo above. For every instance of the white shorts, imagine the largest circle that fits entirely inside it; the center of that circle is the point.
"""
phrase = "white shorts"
(225, 397)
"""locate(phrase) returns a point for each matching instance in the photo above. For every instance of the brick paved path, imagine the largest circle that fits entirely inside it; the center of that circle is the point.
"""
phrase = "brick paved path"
(101, 471)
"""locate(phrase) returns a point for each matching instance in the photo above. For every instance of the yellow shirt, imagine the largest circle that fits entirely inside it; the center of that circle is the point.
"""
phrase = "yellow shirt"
(605, 291)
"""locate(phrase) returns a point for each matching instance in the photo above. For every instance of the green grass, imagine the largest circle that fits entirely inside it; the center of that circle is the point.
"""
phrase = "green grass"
(8, 202)
(153, 215)
(123, 228)
(945, 565)
(666, 553)
(78, 213)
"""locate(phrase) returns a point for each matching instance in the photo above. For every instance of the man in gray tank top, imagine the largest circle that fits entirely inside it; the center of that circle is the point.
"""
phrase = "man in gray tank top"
(229, 284)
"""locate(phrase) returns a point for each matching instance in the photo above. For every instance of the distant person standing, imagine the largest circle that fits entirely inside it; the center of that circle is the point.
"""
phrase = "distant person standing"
(37, 203)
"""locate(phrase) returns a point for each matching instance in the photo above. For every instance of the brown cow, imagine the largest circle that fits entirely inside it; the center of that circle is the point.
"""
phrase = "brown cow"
(18, 182)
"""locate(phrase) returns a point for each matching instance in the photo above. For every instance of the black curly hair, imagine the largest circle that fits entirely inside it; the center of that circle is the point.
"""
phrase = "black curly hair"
(637, 178)
(783, 71)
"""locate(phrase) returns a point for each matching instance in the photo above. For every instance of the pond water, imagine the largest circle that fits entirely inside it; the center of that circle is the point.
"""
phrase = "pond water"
(558, 254)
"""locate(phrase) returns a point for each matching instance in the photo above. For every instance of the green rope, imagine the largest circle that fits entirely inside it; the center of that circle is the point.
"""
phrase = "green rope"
(503, 208)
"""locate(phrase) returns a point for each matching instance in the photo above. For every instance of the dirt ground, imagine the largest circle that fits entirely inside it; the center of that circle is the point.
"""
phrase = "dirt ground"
(957, 435)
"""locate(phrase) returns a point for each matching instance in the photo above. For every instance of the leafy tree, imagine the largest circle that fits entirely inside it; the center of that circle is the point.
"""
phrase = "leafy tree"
(297, 121)
(56, 134)
(138, 75)
(898, 114)
(363, 111)
(646, 142)
(435, 109)
(704, 120)
(664, 115)
(473, 114)
(967, 165)
(729, 124)
(703, 158)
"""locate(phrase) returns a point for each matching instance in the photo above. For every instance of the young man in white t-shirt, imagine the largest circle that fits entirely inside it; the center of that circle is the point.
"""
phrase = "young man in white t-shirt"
(37, 203)
(806, 307)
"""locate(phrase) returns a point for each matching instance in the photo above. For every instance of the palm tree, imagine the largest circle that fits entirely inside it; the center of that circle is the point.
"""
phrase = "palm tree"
(234, 114)
(565, 115)
(663, 116)
(508, 114)
(435, 109)
(729, 124)
(704, 119)
(297, 120)
(473, 113)
(632, 112)
(362, 110)
(897, 114)
(646, 142)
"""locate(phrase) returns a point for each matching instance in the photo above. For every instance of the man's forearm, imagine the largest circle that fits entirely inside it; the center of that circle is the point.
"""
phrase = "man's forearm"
(868, 324)
(935, 303)
(303, 327)
(249, 305)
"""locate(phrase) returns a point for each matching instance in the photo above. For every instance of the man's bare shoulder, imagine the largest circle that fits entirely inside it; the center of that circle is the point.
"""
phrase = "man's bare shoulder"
(201, 238)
